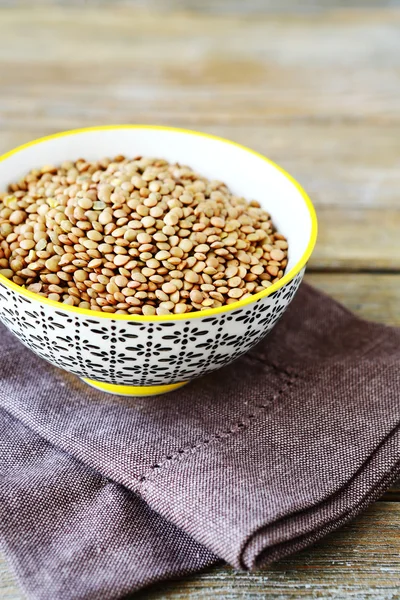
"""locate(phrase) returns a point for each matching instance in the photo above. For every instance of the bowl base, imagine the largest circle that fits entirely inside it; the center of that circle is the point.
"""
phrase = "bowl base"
(133, 390)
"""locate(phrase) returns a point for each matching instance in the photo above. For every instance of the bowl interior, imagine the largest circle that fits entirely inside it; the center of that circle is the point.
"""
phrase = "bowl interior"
(246, 173)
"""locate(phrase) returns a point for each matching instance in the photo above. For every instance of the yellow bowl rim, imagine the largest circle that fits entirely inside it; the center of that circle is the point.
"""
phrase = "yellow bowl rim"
(198, 314)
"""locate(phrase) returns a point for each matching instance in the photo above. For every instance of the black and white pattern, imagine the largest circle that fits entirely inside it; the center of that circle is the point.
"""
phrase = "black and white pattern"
(129, 352)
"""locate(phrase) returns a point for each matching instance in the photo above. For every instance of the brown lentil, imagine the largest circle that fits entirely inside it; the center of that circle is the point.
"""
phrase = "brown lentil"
(136, 236)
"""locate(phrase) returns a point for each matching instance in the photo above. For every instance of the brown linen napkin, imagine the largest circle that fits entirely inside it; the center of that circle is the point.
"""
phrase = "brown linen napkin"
(101, 495)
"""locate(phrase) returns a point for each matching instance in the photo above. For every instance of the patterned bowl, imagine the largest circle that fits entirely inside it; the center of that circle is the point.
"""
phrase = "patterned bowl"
(139, 355)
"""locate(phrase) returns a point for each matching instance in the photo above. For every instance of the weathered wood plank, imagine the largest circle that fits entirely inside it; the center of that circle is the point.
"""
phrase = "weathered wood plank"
(357, 239)
(361, 561)
(372, 296)
(9, 588)
(222, 6)
(200, 67)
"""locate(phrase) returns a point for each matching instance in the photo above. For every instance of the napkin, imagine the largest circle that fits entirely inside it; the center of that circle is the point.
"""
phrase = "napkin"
(101, 495)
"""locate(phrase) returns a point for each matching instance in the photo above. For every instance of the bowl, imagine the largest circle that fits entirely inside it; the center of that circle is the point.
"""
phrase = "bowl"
(146, 355)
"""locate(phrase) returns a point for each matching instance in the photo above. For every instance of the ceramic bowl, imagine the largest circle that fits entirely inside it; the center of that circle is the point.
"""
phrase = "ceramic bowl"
(139, 355)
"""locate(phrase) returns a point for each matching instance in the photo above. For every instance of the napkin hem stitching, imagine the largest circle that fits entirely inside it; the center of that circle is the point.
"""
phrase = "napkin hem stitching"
(240, 425)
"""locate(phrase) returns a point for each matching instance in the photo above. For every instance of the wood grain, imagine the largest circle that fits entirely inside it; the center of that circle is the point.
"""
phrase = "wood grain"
(199, 68)
(9, 589)
(313, 85)
(250, 7)
(373, 297)
(357, 239)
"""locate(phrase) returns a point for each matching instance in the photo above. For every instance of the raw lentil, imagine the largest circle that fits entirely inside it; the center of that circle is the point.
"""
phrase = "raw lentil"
(136, 236)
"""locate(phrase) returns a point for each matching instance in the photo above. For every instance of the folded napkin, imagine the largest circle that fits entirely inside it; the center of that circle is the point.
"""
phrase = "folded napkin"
(101, 495)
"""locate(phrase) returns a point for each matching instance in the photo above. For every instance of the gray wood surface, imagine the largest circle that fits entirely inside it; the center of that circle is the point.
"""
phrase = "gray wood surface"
(315, 86)
(243, 7)
(251, 7)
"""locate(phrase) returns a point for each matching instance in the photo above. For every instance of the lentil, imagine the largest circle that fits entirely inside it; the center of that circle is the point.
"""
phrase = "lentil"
(136, 236)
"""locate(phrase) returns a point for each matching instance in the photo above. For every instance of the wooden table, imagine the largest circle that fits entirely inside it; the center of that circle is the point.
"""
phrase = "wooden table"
(318, 91)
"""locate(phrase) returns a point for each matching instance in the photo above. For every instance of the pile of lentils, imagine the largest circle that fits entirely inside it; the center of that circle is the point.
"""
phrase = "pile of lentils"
(136, 236)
